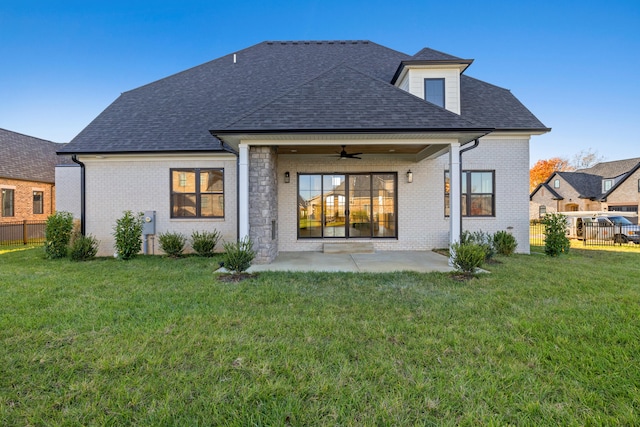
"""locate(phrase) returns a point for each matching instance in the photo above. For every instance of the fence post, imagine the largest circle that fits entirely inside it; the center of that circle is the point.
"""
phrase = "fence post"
(24, 231)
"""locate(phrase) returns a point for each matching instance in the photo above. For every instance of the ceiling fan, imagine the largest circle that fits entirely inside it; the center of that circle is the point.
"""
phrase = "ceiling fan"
(344, 155)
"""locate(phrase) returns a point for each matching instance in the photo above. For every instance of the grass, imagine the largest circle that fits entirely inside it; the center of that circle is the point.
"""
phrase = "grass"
(158, 341)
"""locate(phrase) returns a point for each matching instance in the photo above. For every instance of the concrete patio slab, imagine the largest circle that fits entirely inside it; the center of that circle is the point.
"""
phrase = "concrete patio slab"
(379, 262)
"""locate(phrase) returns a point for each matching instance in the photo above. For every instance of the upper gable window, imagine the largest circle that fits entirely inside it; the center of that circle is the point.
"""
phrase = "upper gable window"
(606, 185)
(434, 91)
(556, 183)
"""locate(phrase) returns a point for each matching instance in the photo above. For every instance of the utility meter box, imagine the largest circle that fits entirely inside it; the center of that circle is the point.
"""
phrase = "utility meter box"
(149, 223)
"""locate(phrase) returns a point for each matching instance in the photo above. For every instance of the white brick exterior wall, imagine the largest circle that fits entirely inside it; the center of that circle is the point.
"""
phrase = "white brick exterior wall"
(421, 221)
(68, 189)
(141, 183)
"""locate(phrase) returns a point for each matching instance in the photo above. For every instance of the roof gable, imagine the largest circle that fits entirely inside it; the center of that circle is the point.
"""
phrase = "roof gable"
(586, 185)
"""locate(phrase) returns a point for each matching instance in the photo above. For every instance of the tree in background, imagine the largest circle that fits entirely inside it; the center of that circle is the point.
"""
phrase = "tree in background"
(543, 169)
(585, 159)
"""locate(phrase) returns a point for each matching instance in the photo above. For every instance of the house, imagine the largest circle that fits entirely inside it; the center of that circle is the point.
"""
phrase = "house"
(300, 143)
(27, 177)
(606, 186)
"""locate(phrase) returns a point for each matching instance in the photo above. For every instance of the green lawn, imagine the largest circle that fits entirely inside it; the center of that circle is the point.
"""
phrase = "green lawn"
(158, 341)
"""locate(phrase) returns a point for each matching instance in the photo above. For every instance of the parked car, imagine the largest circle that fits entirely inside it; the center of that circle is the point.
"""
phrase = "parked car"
(604, 227)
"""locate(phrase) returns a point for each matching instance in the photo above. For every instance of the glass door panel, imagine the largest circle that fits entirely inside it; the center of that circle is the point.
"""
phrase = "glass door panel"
(360, 206)
(310, 206)
(384, 205)
(334, 202)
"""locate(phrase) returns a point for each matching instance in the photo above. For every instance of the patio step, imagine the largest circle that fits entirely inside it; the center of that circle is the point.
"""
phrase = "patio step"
(349, 248)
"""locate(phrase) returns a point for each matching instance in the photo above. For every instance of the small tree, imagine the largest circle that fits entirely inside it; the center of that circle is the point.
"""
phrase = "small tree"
(555, 229)
(238, 255)
(58, 232)
(128, 234)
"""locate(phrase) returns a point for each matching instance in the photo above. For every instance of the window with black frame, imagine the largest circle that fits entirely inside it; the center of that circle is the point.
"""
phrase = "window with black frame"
(197, 193)
(478, 193)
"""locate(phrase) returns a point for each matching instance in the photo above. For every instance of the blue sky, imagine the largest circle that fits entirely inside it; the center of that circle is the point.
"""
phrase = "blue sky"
(572, 63)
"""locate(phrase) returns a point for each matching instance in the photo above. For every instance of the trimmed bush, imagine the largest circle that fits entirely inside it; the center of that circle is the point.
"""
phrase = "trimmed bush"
(58, 232)
(504, 243)
(467, 257)
(556, 241)
(238, 256)
(83, 248)
(172, 243)
(128, 235)
(482, 239)
(204, 243)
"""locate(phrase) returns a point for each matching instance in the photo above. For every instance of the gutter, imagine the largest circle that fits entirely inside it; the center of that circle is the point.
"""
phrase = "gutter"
(74, 159)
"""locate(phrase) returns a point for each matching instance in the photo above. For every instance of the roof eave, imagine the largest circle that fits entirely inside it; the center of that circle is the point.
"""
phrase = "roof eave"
(462, 64)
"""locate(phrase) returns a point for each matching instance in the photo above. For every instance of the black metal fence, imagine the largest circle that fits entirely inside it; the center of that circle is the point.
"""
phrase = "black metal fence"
(592, 234)
(22, 233)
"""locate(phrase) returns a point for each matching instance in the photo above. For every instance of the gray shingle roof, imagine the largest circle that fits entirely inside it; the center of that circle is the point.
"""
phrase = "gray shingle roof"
(587, 185)
(344, 98)
(612, 169)
(494, 106)
(28, 158)
(176, 113)
(428, 54)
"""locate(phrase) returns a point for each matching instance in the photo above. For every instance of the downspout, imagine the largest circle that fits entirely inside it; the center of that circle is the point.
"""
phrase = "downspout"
(74, 158)
(463, 150)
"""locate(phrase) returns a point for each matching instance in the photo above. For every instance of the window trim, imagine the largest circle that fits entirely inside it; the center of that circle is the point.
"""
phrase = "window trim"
(198, 193)
(444, 96)
(41, 203)
(467, 196)
(12, 206)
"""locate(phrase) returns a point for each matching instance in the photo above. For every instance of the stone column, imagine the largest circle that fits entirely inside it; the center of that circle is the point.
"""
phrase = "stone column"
(263, 202)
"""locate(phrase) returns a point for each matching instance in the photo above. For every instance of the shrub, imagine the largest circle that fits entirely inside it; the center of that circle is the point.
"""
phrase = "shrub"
(555, 229)
(204, 243)
(172, 243)
(58, 234)
(482, 239)
(504, 243)
(128, 234)
(238, 256)
(467, 257)
(83, 248)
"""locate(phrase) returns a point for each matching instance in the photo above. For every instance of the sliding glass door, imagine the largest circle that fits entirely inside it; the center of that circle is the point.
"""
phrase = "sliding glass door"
(347, 205)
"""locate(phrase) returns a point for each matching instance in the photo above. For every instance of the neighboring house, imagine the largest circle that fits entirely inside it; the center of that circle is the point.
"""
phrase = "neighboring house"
(296, 144)
(607, 186)
(27, 170)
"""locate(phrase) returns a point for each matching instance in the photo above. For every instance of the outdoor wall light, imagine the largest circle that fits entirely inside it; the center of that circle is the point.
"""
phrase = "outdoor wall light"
(409, 176)
(287, 177)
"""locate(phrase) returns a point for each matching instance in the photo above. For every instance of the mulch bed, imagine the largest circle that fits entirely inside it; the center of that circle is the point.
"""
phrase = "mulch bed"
(235, 278)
